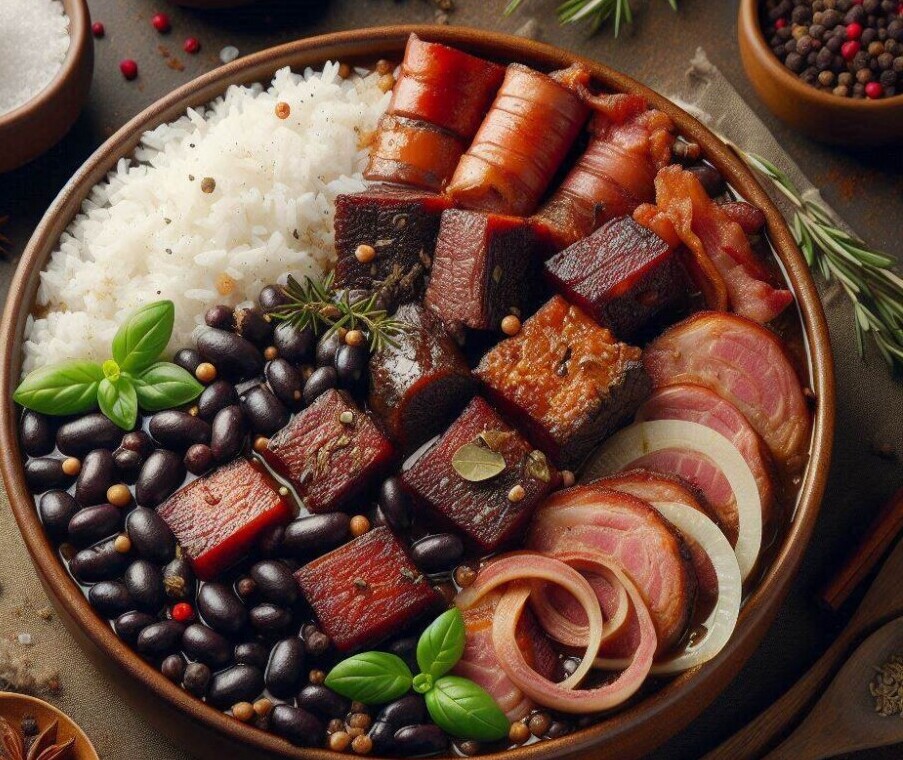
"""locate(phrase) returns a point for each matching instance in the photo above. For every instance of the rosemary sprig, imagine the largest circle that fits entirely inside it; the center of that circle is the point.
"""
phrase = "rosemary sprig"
(867, 277)
(597, 12)
(313, 304)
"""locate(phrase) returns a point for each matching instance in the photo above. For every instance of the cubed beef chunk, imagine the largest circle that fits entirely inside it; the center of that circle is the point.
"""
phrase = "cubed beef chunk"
(566, 380)
(418, 385)
(490, 513)
(329, 451)
(218, 518)
(366, 590)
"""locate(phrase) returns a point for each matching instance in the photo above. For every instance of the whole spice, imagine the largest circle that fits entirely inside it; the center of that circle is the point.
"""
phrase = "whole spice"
(191, 45)
(160, 22)
(97, 29)
(887, 687)
(129, 68)
(30, 742)
(596, 12)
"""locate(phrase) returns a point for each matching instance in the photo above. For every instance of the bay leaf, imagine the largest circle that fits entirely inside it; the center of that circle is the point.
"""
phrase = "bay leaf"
(477, 463)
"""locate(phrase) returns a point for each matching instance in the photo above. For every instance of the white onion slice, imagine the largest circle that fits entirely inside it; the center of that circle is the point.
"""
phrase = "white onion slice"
(721, 622)
(643, 438)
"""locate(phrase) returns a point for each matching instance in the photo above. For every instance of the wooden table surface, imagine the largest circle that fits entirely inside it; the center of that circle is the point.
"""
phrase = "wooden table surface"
(866, 187)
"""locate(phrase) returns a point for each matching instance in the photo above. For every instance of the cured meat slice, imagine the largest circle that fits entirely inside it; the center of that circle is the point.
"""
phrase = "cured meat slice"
(746, 365)
(721, 259)
(695, 403)
(524, 138)
(629, 532)
(566, 380)
(630, 143)
(481, 665)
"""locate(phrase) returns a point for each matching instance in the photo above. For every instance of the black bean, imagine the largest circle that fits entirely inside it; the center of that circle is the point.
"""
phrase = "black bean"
(110, 598)
(92, 524)
(44, 473)
(315, 534)
(296, 725)
(151, 537)
(709, 177)
(383, 737)
(395, 504)
(128, 464)
(320, 381)
(139, 442)
(271, 297)
(294, 345)
(160, 639)
(252, 653)
(557, 729)
(221, 609)
(406, 649)
(178, 430)
(437, 552)
(56, 509)
(98, 473)
(285, 380)
(206, 645)
(130, 625)
(240, 683)
(229, 429)
(423, 739)
(407, 711)
(327, 347)
(234, 357)
(198, 459)
(285, 668)
(220, 316)
(188, 359)
(93, 431)
(144, 580)
(270, 542)
(266, 414)
(275, 582)
(161, 475)
(173, 667)
(216, 396)
(322, 701)
(268, 618)
(316, 643)
(253, 326)
(196, 679)
(351, 364)
(179, 580)
(35, 434)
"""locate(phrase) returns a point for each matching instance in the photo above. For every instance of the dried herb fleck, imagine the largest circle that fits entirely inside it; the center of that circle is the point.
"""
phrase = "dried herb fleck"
(887, 687)
(538, 466)
(495, 439)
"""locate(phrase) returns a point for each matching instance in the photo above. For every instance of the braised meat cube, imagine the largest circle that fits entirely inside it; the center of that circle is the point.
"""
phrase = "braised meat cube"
(401, 225)
(218, 518)
(366, 590)
(418, 385)
(622, 275)
(490, 510)
(329, 452)
(484, 269)
(569, 382)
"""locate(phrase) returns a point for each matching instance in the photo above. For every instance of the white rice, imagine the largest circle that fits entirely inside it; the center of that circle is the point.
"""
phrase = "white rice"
(149, 231)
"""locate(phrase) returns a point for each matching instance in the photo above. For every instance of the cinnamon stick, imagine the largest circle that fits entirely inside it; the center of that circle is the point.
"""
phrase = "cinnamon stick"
(881, 533)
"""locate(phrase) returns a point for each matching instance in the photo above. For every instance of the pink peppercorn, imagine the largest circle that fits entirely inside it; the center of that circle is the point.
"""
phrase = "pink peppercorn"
(849, 49)
(854, 31)
(161, 23)
(780, 23)
(182, 612)
(191, 45)
(97, 29)
(129, 68)
(874, 90)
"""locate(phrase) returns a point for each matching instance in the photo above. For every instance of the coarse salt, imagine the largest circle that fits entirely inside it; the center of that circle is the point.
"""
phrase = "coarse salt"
(34, 40)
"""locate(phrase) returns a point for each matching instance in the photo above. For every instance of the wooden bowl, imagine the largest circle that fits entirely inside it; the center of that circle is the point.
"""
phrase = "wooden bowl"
(37, 125)
(817, 114)
(631, 732)
(14, 707)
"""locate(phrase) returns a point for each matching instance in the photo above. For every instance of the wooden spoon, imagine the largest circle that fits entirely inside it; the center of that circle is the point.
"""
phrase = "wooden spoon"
(883, 602)
(845, 718)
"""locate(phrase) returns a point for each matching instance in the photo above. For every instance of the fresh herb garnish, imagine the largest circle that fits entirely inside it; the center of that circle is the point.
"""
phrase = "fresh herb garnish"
(597, 12)
(457, 705)
(132, 379)
(315, 305)
(476, 462)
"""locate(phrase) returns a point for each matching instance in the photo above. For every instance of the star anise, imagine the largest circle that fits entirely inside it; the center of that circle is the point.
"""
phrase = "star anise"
(44, 746)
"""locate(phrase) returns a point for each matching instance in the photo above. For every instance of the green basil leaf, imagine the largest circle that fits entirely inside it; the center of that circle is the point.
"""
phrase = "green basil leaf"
(119, 401)
(144, 335)
(58, 389)
(164, 385)
(442, 643)
(371, 677)
(461, 708)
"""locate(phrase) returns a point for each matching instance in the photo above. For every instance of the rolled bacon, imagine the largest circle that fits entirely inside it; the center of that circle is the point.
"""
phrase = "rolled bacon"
(522, 141)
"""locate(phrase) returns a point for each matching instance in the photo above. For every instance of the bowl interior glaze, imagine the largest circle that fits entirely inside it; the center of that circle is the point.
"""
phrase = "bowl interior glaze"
(631, 732)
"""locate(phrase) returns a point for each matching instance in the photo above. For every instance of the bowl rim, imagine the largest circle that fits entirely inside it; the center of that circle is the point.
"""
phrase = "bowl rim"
(750, 27)
(672, 706)
(79, 33)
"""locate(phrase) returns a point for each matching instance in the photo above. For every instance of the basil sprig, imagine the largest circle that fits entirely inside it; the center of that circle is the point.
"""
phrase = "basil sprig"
(132, 379)
(457, 705)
